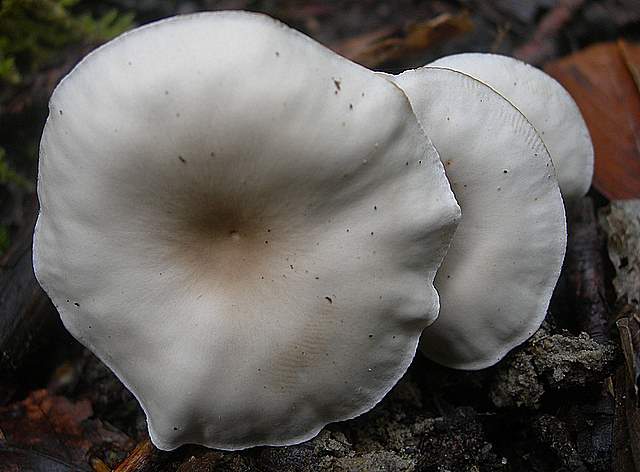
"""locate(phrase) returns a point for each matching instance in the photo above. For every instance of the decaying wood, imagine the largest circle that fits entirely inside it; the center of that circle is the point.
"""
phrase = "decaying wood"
(629, 329)
(627, 425)
(25, 310)
(586, 271)
(621, 221)
(627, 431)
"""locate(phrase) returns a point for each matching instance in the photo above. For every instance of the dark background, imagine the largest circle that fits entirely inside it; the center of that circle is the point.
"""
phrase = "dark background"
(551, 405)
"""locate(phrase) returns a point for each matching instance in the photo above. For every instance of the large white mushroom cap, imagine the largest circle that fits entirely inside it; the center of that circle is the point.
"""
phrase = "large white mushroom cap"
(546, 104)
(505, 258)
(243, 225)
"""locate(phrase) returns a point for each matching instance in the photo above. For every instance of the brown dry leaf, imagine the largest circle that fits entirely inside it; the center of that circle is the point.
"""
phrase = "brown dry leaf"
(46, 432)
(631, 56)
(601, 80)
(394, 43)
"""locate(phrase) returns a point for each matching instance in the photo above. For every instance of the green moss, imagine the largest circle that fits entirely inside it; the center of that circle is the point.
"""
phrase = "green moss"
(36, 35)
(8, 175)
(33, 33)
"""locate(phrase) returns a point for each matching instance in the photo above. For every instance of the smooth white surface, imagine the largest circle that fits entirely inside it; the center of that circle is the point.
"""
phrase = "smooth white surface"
(505, 258)
(243, 225)
(546, 104)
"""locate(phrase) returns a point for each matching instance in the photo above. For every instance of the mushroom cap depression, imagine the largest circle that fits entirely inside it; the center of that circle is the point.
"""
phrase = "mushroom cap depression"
(244, 226)
(546, 104)
(505, 258)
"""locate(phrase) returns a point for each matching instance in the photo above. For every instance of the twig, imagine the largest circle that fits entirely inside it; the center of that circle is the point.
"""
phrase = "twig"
(629, 328)
(541, 46)
(141, 459)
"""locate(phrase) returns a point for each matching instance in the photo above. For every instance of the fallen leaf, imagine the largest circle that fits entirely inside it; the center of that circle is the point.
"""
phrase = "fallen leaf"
(601, 80)
(47, 432)
(631, 56)
(394, 43)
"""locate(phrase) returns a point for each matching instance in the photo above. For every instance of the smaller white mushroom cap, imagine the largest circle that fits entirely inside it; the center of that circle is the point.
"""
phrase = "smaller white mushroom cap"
(243, 225)
(497, 278)
(546, 104)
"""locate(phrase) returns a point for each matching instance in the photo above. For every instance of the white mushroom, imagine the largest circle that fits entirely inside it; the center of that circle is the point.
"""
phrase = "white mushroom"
(546, 104)
(243, 225)
(505, 258)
